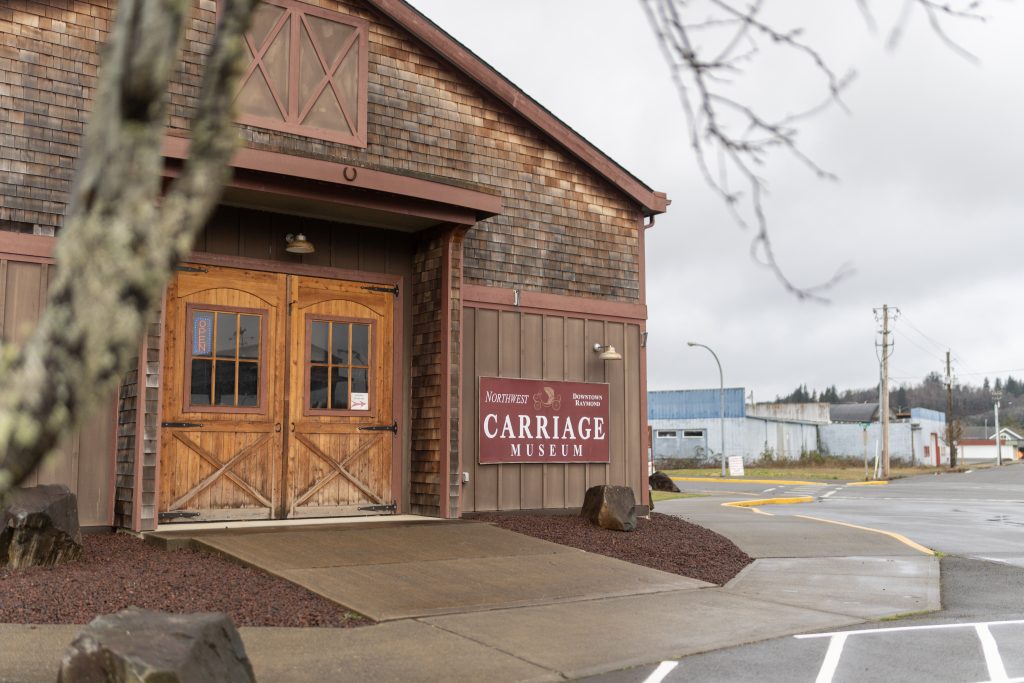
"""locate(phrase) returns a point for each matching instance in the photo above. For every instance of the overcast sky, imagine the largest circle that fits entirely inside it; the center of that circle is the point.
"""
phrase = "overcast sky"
(929, 209)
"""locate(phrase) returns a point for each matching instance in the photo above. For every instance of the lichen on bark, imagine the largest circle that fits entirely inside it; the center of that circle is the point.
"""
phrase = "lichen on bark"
(121, 239)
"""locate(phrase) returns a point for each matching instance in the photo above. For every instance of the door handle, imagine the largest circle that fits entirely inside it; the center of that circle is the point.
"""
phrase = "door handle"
(277, 427)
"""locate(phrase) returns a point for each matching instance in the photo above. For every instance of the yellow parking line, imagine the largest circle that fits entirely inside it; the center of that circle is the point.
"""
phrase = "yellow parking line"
(768, 501)
(899, 537)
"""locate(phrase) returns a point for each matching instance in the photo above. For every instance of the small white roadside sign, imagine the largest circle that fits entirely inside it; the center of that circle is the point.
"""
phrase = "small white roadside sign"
(735, 465)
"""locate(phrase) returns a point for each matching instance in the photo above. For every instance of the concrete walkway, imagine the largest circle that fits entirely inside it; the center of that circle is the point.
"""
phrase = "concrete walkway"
(471, 602)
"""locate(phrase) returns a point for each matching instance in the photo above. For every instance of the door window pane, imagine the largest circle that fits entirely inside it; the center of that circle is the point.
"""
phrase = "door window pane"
(248, 384)
(318, 386)
(340, 379)
(224, 389)
(249, 336)
(339, 388)
(202, 382)
(227, 335)
(318, 342)
(339, 344)
(224, 359)
(360, 345)
(360, 382)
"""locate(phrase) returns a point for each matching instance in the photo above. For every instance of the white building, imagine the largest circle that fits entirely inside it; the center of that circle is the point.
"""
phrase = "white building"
(688, 424)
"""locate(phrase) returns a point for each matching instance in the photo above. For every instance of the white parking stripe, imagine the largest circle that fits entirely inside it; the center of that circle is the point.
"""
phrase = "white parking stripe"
(994, 662)
(658, 675)
(829, 493)
(835, 651)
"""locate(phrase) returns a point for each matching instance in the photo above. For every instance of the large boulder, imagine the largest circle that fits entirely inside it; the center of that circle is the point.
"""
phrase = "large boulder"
(610, 507)
(40, 528)
(660, 481)
(144, 646)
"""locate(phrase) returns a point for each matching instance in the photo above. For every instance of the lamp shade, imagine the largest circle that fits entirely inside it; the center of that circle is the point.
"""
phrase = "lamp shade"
(298, 244)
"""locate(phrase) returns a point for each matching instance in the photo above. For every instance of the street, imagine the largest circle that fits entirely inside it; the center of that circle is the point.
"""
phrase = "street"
(976, 519)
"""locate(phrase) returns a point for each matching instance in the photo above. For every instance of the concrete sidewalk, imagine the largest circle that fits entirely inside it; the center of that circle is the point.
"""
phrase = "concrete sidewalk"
(472, 602)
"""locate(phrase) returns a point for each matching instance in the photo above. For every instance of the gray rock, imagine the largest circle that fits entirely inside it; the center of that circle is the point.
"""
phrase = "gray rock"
(610, 507)
(660, 481)
(40, 528)
(144, 646)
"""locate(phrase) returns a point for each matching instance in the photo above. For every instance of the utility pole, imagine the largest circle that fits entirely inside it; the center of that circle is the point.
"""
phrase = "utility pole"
(949, 413)
(883, 388)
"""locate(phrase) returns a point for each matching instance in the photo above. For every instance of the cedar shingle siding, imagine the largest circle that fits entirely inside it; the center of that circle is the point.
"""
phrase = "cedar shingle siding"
(564, 230)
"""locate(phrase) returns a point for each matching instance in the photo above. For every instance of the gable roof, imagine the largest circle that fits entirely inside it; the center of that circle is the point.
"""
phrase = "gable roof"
(485, 76)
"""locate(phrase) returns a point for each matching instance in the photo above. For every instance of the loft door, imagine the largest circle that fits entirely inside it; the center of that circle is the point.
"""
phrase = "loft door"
(341, 419)
(277, 397)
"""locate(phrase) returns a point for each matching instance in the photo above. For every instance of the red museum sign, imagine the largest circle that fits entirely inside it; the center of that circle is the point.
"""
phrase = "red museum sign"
(540, 421)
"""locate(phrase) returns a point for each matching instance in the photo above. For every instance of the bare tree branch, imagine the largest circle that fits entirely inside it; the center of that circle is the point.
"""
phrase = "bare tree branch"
(119, 243)
(733, 138)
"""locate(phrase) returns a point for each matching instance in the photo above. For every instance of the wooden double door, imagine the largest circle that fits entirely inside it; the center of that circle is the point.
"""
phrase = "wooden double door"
(277, 398)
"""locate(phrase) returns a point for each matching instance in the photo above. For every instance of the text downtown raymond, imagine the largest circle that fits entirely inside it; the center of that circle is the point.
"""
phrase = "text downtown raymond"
(542, 421)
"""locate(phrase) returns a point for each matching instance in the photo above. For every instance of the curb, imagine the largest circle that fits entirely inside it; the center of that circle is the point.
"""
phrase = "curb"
(869, 483)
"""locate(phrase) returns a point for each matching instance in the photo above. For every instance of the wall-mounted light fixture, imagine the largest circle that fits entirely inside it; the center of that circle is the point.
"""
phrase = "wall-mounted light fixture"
(298, 244)
(607, 352)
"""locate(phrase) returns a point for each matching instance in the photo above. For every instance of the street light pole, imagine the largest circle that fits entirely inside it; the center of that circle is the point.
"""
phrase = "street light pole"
(997, 396)
(721, 398)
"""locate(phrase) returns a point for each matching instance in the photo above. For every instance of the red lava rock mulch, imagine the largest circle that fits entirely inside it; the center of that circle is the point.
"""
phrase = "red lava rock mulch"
(118, 570)
(663, 542)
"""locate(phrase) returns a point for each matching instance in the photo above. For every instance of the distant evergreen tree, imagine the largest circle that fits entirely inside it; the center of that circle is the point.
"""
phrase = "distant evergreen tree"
(900, 397)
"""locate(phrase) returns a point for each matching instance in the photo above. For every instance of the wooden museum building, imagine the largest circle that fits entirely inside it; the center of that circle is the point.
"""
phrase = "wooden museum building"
(422, 292)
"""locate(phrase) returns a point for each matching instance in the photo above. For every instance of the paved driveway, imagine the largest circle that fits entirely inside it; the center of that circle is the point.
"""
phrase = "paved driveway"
(979, 514)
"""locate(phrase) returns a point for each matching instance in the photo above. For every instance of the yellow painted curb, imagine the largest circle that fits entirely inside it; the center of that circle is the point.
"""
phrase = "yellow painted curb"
(727, 480)
(768, 501)
(868, 483)
(891, 534)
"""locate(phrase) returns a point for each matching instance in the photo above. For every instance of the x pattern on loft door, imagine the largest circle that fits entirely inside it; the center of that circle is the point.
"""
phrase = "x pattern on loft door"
(308, 72)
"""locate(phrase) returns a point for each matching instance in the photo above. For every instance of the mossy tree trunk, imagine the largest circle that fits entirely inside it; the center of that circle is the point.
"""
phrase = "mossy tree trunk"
(121, 238)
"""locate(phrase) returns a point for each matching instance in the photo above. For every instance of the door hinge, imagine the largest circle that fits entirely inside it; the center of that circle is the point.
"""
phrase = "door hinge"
(393, 428)
(181, 424)
(179, 514)
(392, 508)
(374, 288)
(190, 269)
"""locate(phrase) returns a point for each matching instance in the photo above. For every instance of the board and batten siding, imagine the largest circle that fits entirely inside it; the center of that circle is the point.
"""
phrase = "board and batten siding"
(85, 461)
(502, 343)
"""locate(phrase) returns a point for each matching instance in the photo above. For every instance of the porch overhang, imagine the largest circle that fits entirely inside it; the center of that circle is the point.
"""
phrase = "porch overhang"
(342, 192)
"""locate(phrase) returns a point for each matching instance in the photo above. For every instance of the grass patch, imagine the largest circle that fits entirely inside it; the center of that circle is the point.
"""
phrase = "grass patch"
(658, 496)
(809, 472)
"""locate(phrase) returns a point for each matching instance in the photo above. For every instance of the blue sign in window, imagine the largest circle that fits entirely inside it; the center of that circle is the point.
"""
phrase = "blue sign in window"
(202, 333)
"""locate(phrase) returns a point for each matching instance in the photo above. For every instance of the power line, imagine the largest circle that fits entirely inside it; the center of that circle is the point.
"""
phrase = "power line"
(941, 347)
(909, 339)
